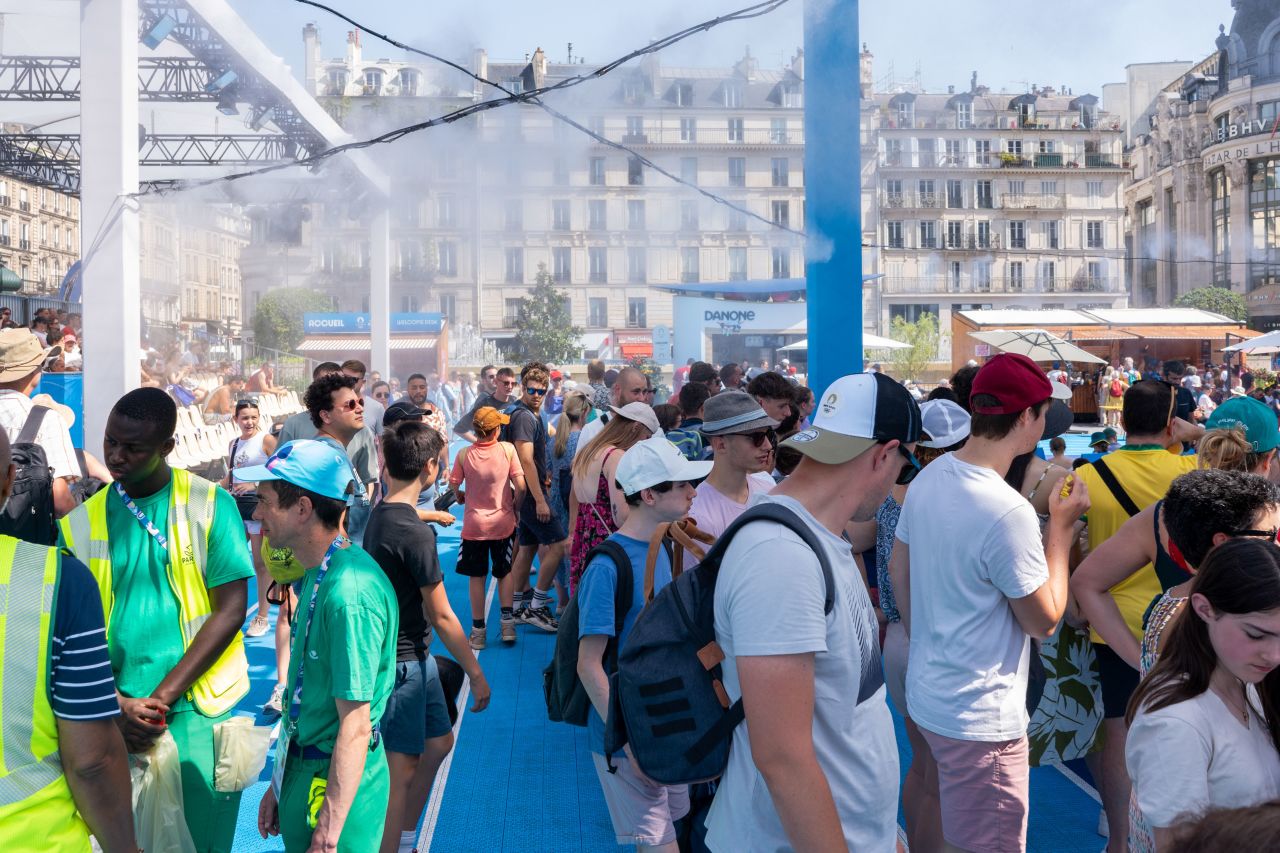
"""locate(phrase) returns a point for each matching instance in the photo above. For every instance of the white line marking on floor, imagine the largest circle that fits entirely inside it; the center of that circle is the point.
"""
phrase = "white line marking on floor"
(442, 775)
(1079, 783)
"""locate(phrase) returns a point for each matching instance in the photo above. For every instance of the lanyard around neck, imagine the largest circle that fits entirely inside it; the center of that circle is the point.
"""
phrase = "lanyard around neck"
(295, 703)
(141, 516)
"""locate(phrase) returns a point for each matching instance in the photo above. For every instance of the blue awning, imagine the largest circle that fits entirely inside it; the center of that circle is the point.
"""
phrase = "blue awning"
(746, 287)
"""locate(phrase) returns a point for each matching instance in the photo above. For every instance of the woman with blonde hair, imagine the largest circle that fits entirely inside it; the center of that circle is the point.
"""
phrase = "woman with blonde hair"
(596, 506)
(1111, 395)
(562, 447)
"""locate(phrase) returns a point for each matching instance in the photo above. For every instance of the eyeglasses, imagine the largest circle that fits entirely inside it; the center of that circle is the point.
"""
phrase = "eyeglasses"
(910, 469)
(351, 405)
(510, 383)
(758, 439)
(537, 392)
(1260, 534)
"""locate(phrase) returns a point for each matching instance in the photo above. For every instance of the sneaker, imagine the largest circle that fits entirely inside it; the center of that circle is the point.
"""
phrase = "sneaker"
(478, 639)
(542, 618)
(521, 613)
(275, 705)
(258, 626)
(508, 630)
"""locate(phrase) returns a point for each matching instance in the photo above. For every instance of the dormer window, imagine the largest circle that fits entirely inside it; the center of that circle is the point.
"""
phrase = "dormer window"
(410, 82)
(514, 85)
(337, 80)
(732, 95)
(683, 94)
(792, 96)
(964, 114)
(373, 78)
(906, 114)
(1026, 113)
(632, 91)
(1088, 116)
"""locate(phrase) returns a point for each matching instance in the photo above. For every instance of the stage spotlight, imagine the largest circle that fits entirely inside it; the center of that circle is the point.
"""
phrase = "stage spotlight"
(152, 37)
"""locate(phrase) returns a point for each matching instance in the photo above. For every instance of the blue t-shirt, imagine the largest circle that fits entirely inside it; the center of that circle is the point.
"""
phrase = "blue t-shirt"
(595, 605)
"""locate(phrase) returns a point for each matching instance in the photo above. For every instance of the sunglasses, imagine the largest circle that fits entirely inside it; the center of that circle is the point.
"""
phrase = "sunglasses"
(351, 405)
(381, 395)
(510, 383)
(758, 439)
(537, 392)
(1273, 534)
(910, 469)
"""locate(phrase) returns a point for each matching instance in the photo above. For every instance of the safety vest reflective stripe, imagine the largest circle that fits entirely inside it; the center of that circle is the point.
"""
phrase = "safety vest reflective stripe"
(28, 732)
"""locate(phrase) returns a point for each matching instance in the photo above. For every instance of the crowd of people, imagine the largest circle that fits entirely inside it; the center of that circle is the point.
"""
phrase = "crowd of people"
(1015, 608)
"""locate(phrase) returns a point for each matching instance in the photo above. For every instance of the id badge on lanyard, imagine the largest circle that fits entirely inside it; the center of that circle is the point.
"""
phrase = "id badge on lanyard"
(289, 726)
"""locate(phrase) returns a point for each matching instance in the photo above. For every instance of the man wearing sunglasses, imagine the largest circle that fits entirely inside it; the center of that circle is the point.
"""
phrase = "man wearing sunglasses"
(498, 386)
(974, 581)
(743, 440)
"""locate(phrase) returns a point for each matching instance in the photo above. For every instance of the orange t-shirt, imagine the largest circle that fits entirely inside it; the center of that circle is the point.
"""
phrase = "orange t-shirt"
(488, 471)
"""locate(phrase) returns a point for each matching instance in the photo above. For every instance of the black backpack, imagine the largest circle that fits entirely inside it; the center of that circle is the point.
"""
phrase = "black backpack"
(29, 514)
(567, 700)
(667, 698)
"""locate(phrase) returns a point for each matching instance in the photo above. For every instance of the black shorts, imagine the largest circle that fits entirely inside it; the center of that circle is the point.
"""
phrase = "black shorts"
(476, 556)
(531, 531)
(1118, 681)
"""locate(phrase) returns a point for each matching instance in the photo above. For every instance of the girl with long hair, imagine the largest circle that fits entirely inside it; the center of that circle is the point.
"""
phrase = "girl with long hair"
(251, 447)
(1204, 724)
(597, 507)
(563, 448)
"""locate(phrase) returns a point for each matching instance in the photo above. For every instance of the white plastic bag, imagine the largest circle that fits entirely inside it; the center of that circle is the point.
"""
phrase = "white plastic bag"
(157, 799)
(241, 748)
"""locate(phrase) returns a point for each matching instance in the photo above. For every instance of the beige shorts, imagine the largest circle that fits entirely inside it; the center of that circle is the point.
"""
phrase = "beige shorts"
(984, 790)
(642, 813)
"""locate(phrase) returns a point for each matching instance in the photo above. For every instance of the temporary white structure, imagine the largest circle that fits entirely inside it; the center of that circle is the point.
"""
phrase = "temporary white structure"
(1270, 342)
(1036, 344)
(868, 342)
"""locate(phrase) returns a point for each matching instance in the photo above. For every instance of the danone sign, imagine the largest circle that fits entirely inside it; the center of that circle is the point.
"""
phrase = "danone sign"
(359, 324)
(719, 314)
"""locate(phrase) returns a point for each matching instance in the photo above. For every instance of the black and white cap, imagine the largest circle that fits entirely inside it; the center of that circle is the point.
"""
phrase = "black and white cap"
(856, 413)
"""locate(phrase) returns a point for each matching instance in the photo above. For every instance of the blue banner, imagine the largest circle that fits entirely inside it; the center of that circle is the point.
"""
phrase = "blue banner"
(359, 324)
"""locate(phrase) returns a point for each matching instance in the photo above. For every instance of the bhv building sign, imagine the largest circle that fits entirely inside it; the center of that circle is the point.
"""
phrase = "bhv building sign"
(359, 324)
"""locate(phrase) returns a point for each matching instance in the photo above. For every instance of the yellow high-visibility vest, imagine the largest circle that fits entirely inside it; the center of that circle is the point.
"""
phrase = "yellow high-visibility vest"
(84, 530)
(37, 811)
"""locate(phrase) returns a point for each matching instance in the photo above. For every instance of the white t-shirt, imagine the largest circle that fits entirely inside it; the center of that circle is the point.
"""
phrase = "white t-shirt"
(1195, 756)
(714, 511)
(53, 436)
(769, 601)
(592, 429)
(975, 544)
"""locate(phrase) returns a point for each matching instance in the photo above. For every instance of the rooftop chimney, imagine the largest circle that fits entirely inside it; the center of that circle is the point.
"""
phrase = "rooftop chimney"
(951, 90)
(311, 57)
(539, 68)
(353, 51)
(480, 67)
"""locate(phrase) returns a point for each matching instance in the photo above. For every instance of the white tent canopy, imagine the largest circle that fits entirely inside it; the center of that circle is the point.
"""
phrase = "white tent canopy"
(1270, 342)
(868, 342)
(1036, 344)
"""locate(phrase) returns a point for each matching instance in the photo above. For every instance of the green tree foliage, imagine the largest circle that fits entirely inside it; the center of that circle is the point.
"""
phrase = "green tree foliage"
(1219, 300)
(544, 328)
(277, 321)
(922, 335)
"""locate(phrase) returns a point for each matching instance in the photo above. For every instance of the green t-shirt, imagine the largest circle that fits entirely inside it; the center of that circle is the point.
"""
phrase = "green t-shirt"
(351, 648)
(145, 640)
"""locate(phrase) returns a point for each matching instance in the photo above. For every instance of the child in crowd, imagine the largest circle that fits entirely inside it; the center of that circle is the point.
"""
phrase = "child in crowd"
(494, 484)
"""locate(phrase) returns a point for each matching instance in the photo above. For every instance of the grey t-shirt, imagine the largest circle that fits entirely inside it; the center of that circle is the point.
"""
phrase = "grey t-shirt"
(769, 601)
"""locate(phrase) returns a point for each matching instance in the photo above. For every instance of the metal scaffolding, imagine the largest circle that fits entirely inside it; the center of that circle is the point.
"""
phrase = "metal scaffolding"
(161, 79)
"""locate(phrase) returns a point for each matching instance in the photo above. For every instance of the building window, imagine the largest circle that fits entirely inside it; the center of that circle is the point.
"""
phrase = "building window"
(732, 95)
(447, 257)
(684, 94)
(955, 235)
(1048, 188)
(598, 264)
(983, 195)
(597, 219)
(1264, 214)
(597, 172)
(737, 263)
(1269, 111)
(893, 152)
(781, 263)
(337, 80)
(597, 311)
(926, 193)
(1093, 190)
(689, 169)
(409, 302)
(635, 129)
(781, 171)
(1051, 235)
(778, 131)
(560, 169)
(736, 133)
(513, 214)
(928, 149)
(955, 152)
(894, 235)
(689, 266)
(635, 172)
(1095, 275)
(560, 215)
(1093, 234)
(595, 124)
(637, 312)
(1048, 276)
(688, 130)
(689, 215)
(780, 213)
(515, 266)
(1221, 228)
(955, 194)
(1147, 249)
(737, 171)
(511, 312)
(446, 211)
(1016, 277)
(906, 114)
(636, 265)
(1017, 234)
(635, 214)
(562, 264)
(632, 90)
(964, 115)
(982, 149)
(984, 234)
(792, 96)
(1014, 147)
(954, 275)
(928, 234)
(738, 216)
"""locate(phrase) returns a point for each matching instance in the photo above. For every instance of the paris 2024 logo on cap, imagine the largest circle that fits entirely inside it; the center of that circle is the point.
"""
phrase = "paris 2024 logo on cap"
(831, 404)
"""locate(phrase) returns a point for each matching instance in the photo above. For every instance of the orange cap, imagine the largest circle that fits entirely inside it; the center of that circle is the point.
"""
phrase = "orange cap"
(487, 419)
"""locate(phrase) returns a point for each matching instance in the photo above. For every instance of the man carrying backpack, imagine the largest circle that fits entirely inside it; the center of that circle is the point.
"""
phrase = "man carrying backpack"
(656, 481)
(815, 767)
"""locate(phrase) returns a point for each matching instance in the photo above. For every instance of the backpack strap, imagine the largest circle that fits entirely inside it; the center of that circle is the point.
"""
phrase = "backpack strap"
(32, 425)
(658, 540)
(779, 514)
(1117, 491)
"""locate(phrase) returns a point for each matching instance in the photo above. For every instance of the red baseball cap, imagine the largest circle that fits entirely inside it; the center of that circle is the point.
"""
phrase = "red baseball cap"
(1013, 379)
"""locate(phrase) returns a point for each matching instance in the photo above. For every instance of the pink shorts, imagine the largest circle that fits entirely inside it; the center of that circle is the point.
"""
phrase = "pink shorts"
(983, 787)
(642, 813)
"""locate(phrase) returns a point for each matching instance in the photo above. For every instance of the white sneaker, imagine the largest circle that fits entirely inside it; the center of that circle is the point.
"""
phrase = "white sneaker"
(275, 705)
(258, 626)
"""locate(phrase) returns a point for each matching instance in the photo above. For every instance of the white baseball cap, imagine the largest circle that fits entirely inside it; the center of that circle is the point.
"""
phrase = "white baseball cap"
(656, 460)
(945, 422)
(641, 413)
(1060, 391)
(854, 414)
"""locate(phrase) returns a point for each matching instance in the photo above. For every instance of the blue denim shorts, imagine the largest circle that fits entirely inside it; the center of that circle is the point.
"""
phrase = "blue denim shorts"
(415, 710)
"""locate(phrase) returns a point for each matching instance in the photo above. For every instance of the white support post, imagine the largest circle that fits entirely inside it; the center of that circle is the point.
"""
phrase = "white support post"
(380, 293)
(108, 169)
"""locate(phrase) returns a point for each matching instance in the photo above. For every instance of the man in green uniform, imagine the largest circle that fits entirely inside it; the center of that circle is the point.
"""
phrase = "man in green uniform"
(330, 786)
(167, 550)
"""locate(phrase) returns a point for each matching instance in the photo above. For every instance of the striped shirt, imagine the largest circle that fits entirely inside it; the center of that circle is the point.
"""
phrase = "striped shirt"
(83, 686)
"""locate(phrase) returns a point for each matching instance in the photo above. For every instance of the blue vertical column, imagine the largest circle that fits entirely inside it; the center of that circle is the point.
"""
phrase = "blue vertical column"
(833, 189)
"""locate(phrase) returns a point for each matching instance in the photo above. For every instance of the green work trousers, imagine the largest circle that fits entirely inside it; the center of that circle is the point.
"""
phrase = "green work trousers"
(362, 832)
(211, 815)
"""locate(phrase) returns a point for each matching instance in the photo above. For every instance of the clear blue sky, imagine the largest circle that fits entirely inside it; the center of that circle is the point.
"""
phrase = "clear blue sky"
(1081, 44)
